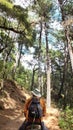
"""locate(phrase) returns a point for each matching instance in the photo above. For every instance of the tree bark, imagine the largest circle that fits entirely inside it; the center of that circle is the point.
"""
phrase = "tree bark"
(39, 57)
(69, 46)
(48, 71)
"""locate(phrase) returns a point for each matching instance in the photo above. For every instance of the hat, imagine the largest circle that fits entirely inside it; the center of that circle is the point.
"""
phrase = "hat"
(36, 92)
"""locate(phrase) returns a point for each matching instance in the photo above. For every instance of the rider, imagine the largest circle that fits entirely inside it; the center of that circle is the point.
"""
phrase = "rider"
(29, 120)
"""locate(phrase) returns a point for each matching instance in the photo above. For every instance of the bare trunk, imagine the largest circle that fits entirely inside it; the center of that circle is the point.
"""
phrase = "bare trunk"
(63, 78)
(48, 71)
(33, 74)
(39, 58)
(71, 55)
(69, 47)
(20, 50)
(48, 88)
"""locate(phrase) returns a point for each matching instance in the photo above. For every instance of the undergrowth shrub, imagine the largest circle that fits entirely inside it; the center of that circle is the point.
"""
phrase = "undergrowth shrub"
(66, 119)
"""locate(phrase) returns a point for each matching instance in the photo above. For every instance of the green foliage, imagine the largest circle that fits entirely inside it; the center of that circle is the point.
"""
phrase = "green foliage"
(6, 3)
(23, 77)
(1, 68)
(20, 22)
(68, 8)
(66, 119)
(20, 80)
(1, 65)
(20, 13)
(6, 7)
(8, 69)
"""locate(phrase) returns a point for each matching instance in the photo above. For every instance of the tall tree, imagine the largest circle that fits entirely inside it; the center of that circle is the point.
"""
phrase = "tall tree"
(43, 11)
(66, 10)
(39, 55)
(48, 69)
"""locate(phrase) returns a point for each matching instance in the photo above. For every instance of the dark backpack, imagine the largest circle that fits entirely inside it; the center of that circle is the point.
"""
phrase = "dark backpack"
(35, 109)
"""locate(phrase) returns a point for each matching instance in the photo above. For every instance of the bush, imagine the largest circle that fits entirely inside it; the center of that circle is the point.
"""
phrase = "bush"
(66, 119)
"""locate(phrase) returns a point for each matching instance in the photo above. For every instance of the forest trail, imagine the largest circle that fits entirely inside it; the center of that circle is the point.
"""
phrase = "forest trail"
(11, 109)
(11, 119)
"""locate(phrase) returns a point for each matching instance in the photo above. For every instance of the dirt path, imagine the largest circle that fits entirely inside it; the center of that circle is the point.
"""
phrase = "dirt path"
(11, 119)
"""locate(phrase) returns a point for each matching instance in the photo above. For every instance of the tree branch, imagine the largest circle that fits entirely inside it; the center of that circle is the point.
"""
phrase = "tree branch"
(12, 29)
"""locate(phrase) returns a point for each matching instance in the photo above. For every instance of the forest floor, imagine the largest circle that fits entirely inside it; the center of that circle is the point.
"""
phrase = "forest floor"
(12, 99)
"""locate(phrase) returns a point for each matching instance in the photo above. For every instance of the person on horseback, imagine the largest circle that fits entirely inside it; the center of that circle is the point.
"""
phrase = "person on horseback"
(34, 110)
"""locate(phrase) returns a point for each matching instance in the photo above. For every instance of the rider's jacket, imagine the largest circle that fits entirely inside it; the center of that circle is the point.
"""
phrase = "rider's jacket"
(26, 110)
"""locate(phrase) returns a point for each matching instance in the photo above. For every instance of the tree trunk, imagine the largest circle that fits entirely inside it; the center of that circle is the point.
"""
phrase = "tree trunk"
(32, 82)
(63, 78)
(39, 58)
(69, 46)
(48, 71)
(20, 50)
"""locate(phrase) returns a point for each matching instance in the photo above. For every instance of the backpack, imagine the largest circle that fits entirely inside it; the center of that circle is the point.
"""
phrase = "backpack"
(35, 109)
